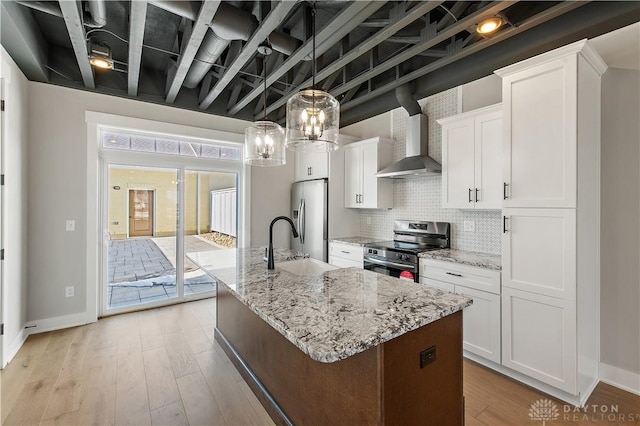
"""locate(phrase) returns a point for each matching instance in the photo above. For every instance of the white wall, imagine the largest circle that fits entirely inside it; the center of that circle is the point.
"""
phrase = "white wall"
(271, 197)
(57, 187)
(481, 93)
(14, 268)
(380, 125)
(620, 228)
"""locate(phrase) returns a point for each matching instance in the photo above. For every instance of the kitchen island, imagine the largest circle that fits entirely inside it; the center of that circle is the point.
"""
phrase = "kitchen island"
(346, 346)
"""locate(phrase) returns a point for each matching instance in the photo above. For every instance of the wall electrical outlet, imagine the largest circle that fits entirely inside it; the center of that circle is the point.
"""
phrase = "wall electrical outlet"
(69, 291)
(368, 220)
(71, 225)
(469, 226)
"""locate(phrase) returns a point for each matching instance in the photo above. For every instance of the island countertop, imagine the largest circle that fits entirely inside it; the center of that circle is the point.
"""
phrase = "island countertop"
(332, 315)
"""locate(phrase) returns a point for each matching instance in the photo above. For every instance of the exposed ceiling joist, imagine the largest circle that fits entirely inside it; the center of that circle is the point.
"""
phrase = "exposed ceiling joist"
(200, 27)
(267, 26)
(399, 18)
(588, 21)
(467, 22)
(24, 45)
(347, 20)
(538, 19)
(72, 14)
(137, 18)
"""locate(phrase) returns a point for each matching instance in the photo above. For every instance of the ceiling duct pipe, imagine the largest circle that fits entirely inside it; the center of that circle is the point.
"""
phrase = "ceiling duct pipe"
(229, 23)
(417, 161)
(186, 9)
(52, 8)
(97, 14)
(95, 18)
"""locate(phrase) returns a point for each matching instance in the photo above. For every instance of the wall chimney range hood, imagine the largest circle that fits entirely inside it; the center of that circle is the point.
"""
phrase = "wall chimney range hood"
(417, 162)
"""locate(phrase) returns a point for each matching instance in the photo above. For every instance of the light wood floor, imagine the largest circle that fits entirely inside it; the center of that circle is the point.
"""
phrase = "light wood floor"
(163, 367)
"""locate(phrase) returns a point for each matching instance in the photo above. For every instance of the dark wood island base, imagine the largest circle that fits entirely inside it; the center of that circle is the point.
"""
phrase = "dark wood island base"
(384, 385)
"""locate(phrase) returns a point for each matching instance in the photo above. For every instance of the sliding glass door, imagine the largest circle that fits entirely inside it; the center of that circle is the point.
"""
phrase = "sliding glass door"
(210, 222)
(163, 199)
(142, 220)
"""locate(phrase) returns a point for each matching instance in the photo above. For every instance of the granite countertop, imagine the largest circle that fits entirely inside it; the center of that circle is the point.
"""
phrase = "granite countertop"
(471, 258)
(356, 241)
(332, 315)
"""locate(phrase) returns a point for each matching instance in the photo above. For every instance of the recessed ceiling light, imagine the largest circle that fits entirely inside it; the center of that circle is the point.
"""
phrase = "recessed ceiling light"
(489, 25)
(100, 55)
(100, 62)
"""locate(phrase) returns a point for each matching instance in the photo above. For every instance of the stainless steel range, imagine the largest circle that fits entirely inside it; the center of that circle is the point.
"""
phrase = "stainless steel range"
(399, 258)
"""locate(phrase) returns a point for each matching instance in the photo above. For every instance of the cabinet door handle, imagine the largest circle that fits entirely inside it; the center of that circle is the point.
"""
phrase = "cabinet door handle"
(356, 198)
(504, 224)
(470, 200)
(361, 196)
(310, 171)
(455, 275)
(504, 190)
(476, 195)
(345, 252)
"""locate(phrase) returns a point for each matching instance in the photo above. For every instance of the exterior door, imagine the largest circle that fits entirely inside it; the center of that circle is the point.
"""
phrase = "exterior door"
(141, 212)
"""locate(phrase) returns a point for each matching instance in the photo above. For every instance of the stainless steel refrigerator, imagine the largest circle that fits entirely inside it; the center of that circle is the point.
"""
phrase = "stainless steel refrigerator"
(309, 213)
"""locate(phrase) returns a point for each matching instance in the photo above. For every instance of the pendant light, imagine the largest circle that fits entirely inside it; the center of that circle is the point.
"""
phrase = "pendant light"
(313, 116)
(265, 140)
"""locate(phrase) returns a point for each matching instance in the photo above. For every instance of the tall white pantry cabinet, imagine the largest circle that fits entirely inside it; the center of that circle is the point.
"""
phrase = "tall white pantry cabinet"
(551, 219)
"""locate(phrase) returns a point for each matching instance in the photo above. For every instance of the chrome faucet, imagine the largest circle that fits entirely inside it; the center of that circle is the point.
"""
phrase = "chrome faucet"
(270, 262)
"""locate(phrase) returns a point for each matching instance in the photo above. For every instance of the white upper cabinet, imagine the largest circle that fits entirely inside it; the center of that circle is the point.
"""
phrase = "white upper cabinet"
(471, 159)
(362, 161)
(544, 100)
(311, 165)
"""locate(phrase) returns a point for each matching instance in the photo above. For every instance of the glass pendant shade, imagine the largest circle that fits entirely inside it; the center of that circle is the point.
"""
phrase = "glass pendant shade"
(265, 144)
(313, 119)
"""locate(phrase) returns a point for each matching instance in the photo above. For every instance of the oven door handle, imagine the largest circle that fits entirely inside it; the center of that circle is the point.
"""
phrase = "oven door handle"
(386, 263)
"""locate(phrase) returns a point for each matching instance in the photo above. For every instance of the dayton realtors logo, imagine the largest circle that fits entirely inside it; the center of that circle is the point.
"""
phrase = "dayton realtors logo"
(543, 410)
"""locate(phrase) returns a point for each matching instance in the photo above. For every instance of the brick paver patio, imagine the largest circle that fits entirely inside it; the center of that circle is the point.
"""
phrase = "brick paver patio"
(140, 272)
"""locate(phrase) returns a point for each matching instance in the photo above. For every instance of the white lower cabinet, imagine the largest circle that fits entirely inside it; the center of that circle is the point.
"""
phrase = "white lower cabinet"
(482, 324)
(345, 255)
(481, 320)
(539, 337)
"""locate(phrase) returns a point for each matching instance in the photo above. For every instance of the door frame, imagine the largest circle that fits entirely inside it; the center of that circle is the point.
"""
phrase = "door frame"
(2, 203)
(147, 160)
(153, 219)
(96, 178)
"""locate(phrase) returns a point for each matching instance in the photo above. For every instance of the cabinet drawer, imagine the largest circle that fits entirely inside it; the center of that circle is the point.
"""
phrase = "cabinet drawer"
(463, 275)
(437, 284)
(342, 262)
(346, 251)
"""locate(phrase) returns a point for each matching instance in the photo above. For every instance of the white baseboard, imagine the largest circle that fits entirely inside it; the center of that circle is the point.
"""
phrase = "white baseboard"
(14, 347)
(620, 378)
(58, 323)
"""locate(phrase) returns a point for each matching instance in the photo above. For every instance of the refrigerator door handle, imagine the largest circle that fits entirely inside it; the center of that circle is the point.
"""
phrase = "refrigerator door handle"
(303, 220)
(299, 224)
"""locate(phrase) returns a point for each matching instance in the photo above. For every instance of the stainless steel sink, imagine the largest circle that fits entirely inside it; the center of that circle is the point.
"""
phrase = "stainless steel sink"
(305, 267)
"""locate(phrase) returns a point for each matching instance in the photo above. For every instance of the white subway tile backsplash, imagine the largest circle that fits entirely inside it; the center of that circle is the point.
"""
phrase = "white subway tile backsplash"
(421, 198)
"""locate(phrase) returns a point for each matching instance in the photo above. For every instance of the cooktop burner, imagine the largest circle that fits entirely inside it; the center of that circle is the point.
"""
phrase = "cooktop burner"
(401, 247)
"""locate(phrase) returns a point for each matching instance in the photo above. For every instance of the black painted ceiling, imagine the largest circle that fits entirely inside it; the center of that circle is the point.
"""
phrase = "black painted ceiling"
(365, 49)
